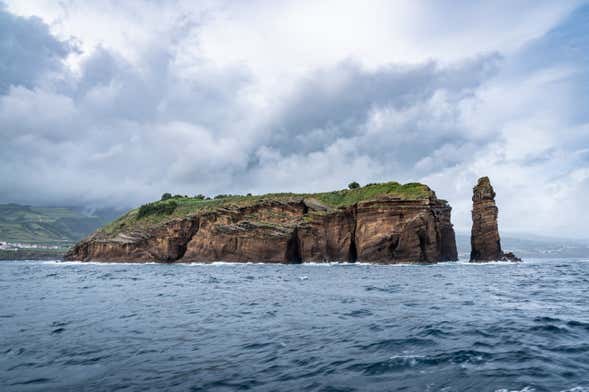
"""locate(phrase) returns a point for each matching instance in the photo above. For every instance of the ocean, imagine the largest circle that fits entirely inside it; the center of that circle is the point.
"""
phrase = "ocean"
(323, 327)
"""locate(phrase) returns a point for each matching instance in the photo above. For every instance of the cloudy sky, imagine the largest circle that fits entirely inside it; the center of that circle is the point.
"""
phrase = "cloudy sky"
(109, 103)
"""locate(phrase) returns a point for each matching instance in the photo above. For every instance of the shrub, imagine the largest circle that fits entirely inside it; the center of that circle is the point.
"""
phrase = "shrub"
(157, 208)
(353, 185)
(166, 196)
(200, 197)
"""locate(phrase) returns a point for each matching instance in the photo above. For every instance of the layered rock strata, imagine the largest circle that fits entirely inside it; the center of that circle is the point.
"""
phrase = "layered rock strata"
(383, 229)
(484, 239)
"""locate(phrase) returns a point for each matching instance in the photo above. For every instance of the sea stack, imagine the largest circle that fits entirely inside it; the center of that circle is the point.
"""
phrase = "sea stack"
(484, 239)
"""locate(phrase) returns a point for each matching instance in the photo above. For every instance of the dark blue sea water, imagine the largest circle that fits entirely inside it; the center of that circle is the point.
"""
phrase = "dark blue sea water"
(445, 327)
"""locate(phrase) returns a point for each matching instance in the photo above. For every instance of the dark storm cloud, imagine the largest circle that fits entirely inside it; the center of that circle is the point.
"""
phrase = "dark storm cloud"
(111, 87)
(397, 114)
(118, 132)
(28, 51)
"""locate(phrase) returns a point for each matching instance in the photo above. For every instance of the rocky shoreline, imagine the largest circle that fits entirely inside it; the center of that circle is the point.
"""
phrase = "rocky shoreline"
(385, 228)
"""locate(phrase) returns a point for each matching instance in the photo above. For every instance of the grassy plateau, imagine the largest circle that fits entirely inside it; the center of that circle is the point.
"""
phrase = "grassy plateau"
(155, 213)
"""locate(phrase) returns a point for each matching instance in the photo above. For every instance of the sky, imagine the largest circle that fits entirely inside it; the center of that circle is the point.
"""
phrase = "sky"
(109, 103)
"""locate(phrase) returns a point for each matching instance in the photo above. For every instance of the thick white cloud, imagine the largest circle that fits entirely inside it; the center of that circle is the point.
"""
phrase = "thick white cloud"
(126, 101)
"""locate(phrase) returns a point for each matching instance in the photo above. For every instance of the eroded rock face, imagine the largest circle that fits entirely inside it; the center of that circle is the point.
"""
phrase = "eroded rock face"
(385, 230)
(164, 244)
(328, 236)
(263, 234)
(484, 239)
(404, 231)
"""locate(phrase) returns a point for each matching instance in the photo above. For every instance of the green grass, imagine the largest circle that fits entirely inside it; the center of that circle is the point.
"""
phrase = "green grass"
(47, 225)
(155, 213)
(158, 208)
(349, 197)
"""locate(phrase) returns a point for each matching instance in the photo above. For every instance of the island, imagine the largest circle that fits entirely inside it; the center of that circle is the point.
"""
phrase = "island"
(382, 223)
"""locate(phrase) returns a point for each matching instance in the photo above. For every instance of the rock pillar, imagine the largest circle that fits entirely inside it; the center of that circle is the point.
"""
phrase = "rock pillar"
(484, 239)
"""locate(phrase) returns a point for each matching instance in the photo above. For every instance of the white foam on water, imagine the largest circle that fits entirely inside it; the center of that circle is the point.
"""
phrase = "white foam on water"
(463, 262)
(101, 263)
(311, 264)
(531, 389)
(410, 360)
(525, 389)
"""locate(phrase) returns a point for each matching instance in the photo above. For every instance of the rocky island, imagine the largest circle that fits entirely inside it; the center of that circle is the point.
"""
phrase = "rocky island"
(381, 223)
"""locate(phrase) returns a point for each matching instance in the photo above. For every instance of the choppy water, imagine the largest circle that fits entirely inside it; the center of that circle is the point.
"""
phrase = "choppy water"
(445, 327)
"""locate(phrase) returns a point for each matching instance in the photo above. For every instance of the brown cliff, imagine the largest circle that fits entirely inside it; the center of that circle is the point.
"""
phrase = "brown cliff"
(484, 239)
(380, 223)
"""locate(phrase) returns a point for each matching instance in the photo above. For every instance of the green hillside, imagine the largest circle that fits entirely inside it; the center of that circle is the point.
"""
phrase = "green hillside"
(49, 225)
